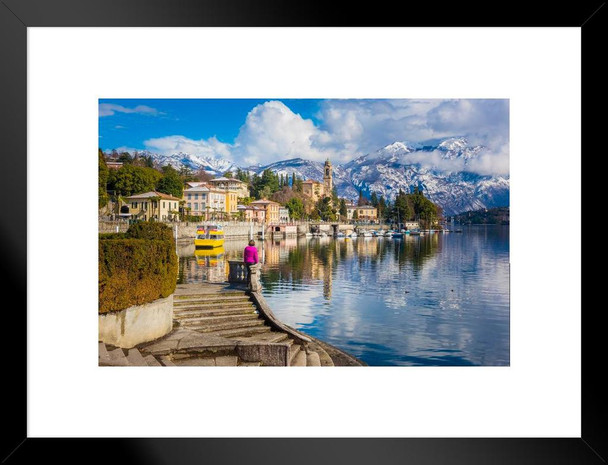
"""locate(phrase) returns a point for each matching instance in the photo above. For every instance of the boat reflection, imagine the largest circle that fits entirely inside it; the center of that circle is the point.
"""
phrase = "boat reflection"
(210, 257)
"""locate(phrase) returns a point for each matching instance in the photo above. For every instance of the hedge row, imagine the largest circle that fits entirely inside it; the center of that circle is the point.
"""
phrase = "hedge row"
(150, 230)
(135, 271)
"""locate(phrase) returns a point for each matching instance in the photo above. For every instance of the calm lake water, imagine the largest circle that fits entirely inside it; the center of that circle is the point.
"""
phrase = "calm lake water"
(434, 300)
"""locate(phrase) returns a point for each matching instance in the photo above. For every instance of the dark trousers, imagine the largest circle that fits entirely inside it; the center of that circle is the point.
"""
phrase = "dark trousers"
(248, 265)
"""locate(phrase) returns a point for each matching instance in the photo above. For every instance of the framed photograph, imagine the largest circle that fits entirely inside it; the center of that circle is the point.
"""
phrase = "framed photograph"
(471, 348)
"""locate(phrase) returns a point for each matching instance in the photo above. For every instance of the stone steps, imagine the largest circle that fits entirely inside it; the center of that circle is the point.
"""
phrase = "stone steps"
(226, 325)
(294, 350)
(117, 358)
(210, 300)
(270, 336)
(313, 359)
(299, 360)
(246, 331)
(166, 361)
(178, 314)
(215, 320)
(195, 362)
(152, 362)
(133, 357)
(186, 293)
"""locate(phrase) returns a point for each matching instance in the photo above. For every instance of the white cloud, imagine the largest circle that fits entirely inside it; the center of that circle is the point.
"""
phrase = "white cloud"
(347, 129)
(204, 147)
(363, 126)
(109, 109)
(273, 132)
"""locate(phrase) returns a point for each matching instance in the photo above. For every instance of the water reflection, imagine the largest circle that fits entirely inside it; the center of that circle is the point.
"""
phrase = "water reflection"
(439, 299)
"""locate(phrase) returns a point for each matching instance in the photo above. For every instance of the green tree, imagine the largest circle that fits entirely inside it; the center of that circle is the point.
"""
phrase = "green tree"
(186, 174)
(125, 157)
(374, 199)
(362, 200)
(228, 174)
(103, 176)
(335, 200)
(381, 207)
(265, 185)
(171, 183)
(342, 209)
(324, 207)
(296, 208)
(401, 209)
(296, 183)
(242, 175)
(129, 180)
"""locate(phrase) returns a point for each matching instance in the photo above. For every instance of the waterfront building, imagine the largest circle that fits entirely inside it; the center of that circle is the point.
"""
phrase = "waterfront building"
(364, 212)
(272, 209)
(283, 215)
(254, 213)
(153, 205)
(113, 165)
(232, 185)
(204, 201)
(412, 225)
(234, 189)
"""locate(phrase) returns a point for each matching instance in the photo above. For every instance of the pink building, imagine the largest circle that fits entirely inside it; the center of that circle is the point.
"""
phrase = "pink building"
(253, 213)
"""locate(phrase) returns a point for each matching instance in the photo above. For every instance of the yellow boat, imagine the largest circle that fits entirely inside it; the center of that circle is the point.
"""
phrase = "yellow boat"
(209, 236)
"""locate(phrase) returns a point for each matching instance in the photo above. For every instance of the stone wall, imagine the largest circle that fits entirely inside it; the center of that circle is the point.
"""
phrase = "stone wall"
(113, 226)
(187, 230)
(137, 324)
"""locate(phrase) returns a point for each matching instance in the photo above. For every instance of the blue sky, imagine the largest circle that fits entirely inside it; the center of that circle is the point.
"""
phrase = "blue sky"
(261, 131)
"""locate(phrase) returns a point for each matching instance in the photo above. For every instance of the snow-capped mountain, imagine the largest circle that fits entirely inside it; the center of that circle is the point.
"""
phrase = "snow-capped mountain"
(443, 169)
(216, 166)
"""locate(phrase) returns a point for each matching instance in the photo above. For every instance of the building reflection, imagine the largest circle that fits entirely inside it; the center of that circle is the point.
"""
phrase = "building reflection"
(310, 261)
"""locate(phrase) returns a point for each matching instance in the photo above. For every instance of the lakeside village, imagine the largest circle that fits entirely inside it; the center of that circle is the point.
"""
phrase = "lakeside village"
(132, 189)
(147, 319)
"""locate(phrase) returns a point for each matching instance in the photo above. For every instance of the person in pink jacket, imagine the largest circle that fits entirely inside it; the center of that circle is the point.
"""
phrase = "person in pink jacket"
(250, 257)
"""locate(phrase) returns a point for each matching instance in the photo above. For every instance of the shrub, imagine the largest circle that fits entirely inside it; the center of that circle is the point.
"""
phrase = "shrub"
(106, 236)
(153, 230)
(135, 272)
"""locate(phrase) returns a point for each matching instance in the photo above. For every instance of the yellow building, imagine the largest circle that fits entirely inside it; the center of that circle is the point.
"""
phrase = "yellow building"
(364, 213)
(233, 188)
(317, 190)
(272, 209)
(313, 189)
(153, 205)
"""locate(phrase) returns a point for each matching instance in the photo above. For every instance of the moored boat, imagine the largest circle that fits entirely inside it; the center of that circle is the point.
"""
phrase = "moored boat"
(209, 236)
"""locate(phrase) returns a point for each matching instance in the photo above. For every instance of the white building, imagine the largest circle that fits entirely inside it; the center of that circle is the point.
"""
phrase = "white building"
(203, 201)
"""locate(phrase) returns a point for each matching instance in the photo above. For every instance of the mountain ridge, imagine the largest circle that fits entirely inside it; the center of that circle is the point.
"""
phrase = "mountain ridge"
(443, 170)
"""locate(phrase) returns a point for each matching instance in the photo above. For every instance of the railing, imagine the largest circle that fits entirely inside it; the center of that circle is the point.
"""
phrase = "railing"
(238, 275)
(238, 272)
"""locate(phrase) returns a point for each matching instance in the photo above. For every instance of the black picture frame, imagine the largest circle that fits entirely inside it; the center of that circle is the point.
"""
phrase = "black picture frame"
(16, 16)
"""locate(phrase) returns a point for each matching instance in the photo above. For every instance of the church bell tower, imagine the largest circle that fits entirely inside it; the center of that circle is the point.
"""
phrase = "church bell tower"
(327, 179)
